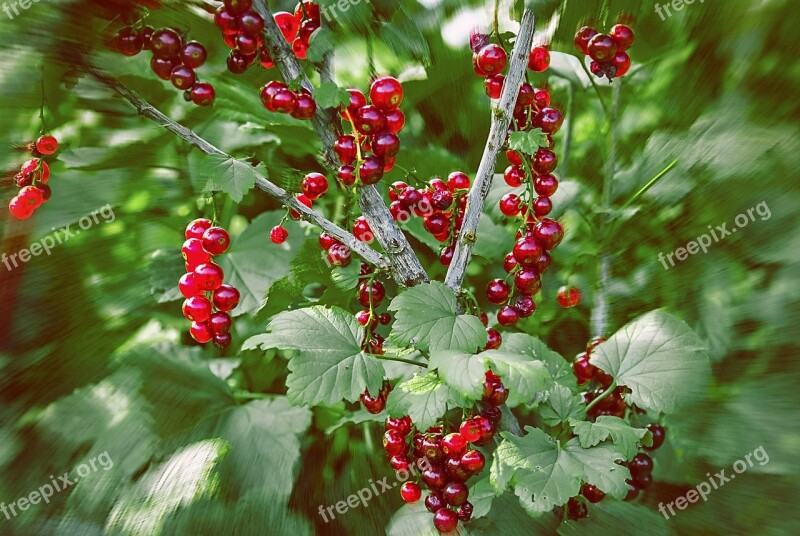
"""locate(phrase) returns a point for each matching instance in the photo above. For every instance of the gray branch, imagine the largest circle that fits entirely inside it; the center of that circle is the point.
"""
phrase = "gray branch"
(501, 118)
(408, 271)
(147, 110)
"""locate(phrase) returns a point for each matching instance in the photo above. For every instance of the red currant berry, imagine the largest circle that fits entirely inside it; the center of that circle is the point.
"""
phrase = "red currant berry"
(641, 464)
(222, 340)
(288, 25)
(493, 85)
(128, 42)
(472, 461)
(592, 493)
(369, 119)
(437, 224)
(373, 405)
(347, 175)
(455, 493)
(509, 263)
(602, 48)
(471, 429)
(20, 209)
(193, 54)
(304, 200)
(284, 101)
(197, 308)
(410, 492)
(226, 298)
(339, 255)
(237, 7)
(445, 520)
(525, 305)
(385, 144)
(345, 148)
(37, 169)
(46, 145)
(492, 59)
(494, 339)
(188, 286)
(433, 502)
(219, 323)
(202, 94)
(442, 200)
(582, 38)
(544, 161)
(209, 276)
(394, 442)
(550, 120)
(659, 434)
(454, 445)
(165, 43)
(32, 196)
(326, 241)
(400, 462)
(395, 120)
(514, 176)
(622, 36)
(549, 233)
(542, 206)
(197, 228)
(545, 185)
(527, 250)
(446, 255)
(163, 67)
(507, 316)
(434, 477)
(306, 107)
(539, 59)
(200, 332)
(621, 63)
(226, 21)
(371, 294)
(314, 185)
(527, 281)
(182, 77)
(497, 291)
(514, 157)
(386, 93)
(216, 240)
(362, 231)
(510, 205)
(193, 252)
(371, 170)
(568, 297)
(278, 234)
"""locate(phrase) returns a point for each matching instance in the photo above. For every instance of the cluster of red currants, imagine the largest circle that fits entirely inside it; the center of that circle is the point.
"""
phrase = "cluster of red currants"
(277, 97)
(371, 294)
(607, 51)
(209, 317)
(375, 127)
(242, 30)
(314, 186)
(613, 403)
(173, 59)
(450, 461)
(32, 179)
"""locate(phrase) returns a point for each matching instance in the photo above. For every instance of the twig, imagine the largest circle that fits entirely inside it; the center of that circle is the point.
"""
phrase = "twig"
(147, 110)
(501, 117)
(600, 310)
(408, 270)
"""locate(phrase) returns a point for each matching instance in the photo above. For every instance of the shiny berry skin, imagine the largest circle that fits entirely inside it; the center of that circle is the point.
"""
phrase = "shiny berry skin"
(278, 234)
(400, 462)
(182, 77)
(222, 340)
(46, 145)
(446, 255)
(165, 43)
(510, 205)
(514, 176)
(458, 181)
(583, 370)
(494, 393)
(345, 149)
(465, 512)
(445, 520)
(226, 298)
(237, 7)
(568, 297)
(216, 240)
(202, 94)
(514, 157)
(592, 493)
(436, 224)
(545, 185)
(453, 470)
(193, 252)
(544, 161)
(200, 332)
(288, 25)
(549, 233)
(362, 231)
(128, 41)
(193, 54)
(509, 263)
(442, 200)
(219, 323)
(284, 101)
(303, 200)
(434, 477)
(527, 250)
(602, 48)
(402, 424)
(314, 185)
(453, 445)
(507, 316)
(621, 63)
(209, 276)
(641, 464)
(197, 308)
(527, 281)
(542, 206)
(539, 59)
(493, 85)
(369, 119)
(30, 168)
(455, 493)
(659, 434)
(470, 429)
(339, 255)
(371, 170)
(386, 93)
(395, 120)
(433, 502)
(394, 442)
(251, 23)
(373, 405)
(410, 492)
(163, 67)
(357, 101)
(306, 107)
(622, 36)
(269, 91)
(188, 286)
(197, 228)
(371, 293)
(492, 59)
(226, 21)
(643, 481)
(30, 195)
(494, 339)
(347, 175)
(551, 120)
(497, 291)
(385, 144)
(472, 461)
(20, 209)
(582, 38)
(326, 241)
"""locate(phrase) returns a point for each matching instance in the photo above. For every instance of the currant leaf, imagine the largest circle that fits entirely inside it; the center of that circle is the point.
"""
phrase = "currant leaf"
(424, 398)
(659, 358)
(329, 95)
(234, 177)
(462, 371)
(559, 368)
(328, 365)
(624, 436)
(426, 318)
(525, 377)
(562, 406)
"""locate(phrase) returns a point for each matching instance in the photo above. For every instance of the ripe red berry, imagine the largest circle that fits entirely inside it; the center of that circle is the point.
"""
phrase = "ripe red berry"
(437, 223)
(410, 492)
(347, 174)
(445, 520)
(345, 149)
(582, 38)
(306, 107)
(507, 316)
(226, 298)
(542, 206)
(371, 294)
(128, 42)
(193, 54)
(20, 209)
(197, 308)
(278, 234)
(46, 145)
(385, 144)
(621, 63)
(497, 291)
(395, 120)
(568, 297)
(32, 196)
(251, 23)
(539, 59)
(219, 323)
(394, 442)
(545, 185)
(442, 200)
(602, 48)
(592, 493)
(494, 339)
(455, 493)
(510, 205)
(182, 77)
(200, 332)
(209, 276)
(222, 340)
(197, 228)
(549, 233)
(514, 176)
(491, 59)
(433, 502)
(373, 404)
(216, 240)
(202, 94)
(386, 93)
(188, 286)
(527, 281)
(458, 181)
(527, 250)
(493, 85)
(37, 169)
(550, 120)
(314, 185)
(472, 461)
(339, 255)
(371, 170)
(369, 119)
(453, 445)
(659, 434)
(446, 255)
(326, 241)
(622, 36)
(641, 464)
(193, 253)
(362, 231)
(357, 101)
(304, 200)
(165, 43)
(544, 161)
(284, 101)
(288, 25)
(509, 263)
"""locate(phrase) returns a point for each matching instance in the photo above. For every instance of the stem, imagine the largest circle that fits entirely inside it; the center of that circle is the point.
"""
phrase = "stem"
(570, 129)
(501, 117)
(399, 360)
(596, 88)
(600, 311)
(604, 394)
(147, 110)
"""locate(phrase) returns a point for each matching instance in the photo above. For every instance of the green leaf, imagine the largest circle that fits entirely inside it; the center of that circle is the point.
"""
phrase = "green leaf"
(621, 433)
(461, 370)
(329, 365)
(403, 36)
(329, 95)
(559, 368)
(481, 496)
(346, 277)
(234, 177)
(165, 270)
(320, 43)
(562, 406)
(527, 142)
(425, 317)
(525, 377)
(356, 417)
(659, 358)
(424, 398)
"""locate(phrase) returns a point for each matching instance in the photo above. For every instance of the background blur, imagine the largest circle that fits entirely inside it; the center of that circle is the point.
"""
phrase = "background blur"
(94, 354)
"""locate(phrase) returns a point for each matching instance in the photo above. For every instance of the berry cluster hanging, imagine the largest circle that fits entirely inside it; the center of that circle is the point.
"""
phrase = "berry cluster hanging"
(607, 51)
(32, 179)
